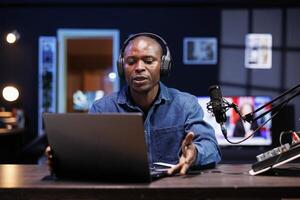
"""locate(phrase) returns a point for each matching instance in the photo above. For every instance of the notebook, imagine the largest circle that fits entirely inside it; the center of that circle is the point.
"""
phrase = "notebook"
(108, 146)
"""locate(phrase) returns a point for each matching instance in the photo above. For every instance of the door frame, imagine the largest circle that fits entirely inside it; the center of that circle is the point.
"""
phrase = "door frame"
(63, 35)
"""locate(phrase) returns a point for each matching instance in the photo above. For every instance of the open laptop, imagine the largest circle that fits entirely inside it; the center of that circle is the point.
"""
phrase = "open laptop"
(108, 146)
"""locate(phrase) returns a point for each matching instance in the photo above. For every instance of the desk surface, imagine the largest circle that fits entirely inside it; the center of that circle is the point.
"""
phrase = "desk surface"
(26, 182)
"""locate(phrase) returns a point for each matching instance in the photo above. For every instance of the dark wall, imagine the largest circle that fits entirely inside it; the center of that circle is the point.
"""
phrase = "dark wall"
(19, 62)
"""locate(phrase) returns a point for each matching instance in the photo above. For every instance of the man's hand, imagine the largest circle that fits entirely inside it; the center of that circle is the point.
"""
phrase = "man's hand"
(50, 160)
(188, 157)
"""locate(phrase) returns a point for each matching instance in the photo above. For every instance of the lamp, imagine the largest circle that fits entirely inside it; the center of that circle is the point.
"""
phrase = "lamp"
(12, 37)
(10, 93)
(14, 117)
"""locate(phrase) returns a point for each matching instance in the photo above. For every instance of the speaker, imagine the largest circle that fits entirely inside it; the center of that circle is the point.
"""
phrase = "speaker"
(165, 66)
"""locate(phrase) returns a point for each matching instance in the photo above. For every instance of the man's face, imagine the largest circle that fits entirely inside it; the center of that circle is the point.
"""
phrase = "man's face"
(142, 58)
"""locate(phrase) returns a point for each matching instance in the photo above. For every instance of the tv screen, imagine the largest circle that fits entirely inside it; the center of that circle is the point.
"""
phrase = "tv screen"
(236, 128)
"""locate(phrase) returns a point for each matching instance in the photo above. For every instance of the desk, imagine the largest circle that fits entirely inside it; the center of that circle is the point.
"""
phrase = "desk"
(226, 181)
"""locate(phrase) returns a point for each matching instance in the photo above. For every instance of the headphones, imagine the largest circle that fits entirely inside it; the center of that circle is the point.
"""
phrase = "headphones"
(165, 65)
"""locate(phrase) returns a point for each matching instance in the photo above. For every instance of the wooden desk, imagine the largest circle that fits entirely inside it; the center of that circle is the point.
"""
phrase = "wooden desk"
(226, 181)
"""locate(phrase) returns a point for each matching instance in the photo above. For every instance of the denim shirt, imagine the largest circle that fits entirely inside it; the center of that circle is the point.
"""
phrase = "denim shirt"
(170, 118)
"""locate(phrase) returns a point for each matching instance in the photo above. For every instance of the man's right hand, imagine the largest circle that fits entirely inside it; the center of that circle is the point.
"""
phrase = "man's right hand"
(188, 157)
(50, 159)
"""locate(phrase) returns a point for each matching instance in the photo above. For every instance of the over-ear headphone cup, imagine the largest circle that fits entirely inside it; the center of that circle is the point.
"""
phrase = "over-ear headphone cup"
(165, 66)
(120, 66)
(162, 66)
(168, 64)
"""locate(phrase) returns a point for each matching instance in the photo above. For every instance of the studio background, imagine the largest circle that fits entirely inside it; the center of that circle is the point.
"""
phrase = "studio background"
(228, 22)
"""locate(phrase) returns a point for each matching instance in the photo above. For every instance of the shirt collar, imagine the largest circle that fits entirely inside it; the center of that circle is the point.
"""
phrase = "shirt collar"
(124, 98)
(163, 93)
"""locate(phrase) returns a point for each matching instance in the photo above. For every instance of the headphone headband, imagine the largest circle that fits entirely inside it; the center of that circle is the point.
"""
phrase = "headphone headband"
(165, 66)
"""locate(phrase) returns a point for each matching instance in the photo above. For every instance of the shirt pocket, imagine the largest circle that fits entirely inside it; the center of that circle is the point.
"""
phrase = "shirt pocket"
(167, 144)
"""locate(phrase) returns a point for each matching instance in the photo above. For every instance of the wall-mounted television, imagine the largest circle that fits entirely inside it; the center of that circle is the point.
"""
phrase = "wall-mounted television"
(236, 128)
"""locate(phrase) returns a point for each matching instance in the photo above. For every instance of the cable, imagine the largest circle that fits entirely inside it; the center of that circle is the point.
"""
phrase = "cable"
(283, 105)
(281, 134)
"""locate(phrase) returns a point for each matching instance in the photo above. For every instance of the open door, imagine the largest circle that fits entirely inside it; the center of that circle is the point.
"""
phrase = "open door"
(86, 67)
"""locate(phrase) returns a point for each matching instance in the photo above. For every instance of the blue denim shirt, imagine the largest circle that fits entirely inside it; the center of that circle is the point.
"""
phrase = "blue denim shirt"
(169, 119)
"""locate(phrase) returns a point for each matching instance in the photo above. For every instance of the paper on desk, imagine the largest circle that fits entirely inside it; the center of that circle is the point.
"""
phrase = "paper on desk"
(162, 164)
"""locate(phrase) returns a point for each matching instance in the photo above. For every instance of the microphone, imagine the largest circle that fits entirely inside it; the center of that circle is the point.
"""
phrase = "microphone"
(218, 107)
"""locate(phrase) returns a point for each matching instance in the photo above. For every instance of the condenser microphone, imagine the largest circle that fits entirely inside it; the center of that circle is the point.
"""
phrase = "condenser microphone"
(218, 106)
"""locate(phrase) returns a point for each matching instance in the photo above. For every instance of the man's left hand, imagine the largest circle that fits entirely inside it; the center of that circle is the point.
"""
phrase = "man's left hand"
(188, 157)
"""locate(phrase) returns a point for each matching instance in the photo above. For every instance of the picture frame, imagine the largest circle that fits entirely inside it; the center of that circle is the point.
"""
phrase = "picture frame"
(258, 51)
(200, 51)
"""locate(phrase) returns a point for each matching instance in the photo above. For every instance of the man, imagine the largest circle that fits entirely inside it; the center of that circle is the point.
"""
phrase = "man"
(173, 121)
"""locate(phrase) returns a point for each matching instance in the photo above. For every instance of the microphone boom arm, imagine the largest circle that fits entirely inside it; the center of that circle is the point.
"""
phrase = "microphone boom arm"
(250, 116)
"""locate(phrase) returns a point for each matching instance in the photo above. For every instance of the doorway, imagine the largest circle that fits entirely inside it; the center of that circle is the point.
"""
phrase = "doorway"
(86, 67)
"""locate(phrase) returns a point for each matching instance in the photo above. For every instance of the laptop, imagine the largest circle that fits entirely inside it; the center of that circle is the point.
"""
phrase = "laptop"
(108, 146)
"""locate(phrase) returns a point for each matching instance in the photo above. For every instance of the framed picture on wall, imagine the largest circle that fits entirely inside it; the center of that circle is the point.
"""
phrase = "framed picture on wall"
(200, 51)
(258, 53)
